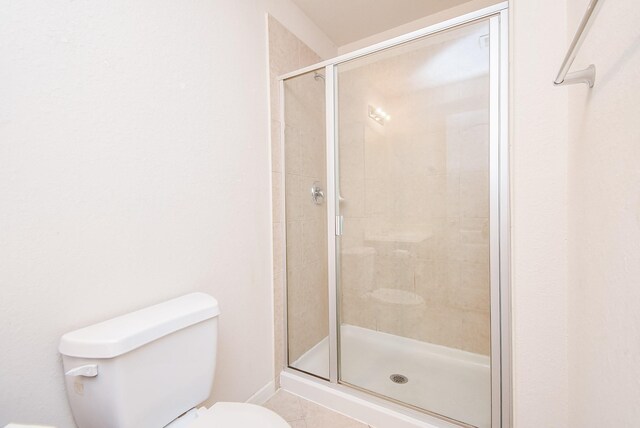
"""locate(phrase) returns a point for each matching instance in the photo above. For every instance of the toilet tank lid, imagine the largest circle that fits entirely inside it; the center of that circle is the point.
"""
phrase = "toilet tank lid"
(125, 333)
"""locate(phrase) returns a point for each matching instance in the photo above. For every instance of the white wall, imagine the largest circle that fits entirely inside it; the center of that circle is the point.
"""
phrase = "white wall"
(134, 167)
(604, 192)
(539, 214)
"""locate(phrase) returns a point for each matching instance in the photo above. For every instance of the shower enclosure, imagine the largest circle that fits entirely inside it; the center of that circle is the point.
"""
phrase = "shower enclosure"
(396, 206)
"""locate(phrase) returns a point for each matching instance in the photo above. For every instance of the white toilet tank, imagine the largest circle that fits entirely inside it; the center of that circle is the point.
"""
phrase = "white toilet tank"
(143, 369)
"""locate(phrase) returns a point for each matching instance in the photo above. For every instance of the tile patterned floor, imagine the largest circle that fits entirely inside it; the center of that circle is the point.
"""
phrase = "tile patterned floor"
(300, 413)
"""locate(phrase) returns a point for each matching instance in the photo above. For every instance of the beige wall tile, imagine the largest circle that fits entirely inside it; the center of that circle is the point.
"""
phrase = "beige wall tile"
(306, 56)
(295, 244)
(474, 194)
(295, 196)
(476, 328)
(313, 154)
(276, 147)
(283, 48)
(314, 239)
(431, 282)
(475, 275)
(308, 324)
(278, 248)
(355, 237)
(277, 197)
(292, 150)
(279, 323)
(274, 95)
(471, 299)
(304, 154)
(425, 172)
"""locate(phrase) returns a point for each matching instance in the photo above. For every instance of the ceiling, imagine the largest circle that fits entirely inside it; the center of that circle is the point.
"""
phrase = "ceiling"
(346, 21)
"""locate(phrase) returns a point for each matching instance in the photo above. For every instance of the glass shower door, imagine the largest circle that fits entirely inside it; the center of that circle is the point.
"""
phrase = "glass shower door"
(413, 192)
(306, 223)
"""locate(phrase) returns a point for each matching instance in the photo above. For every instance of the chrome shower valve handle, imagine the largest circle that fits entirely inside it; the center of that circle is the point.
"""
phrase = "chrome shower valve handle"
(317, 194)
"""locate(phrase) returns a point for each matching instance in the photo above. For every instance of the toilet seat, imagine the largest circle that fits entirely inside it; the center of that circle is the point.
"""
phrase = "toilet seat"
(238, 415)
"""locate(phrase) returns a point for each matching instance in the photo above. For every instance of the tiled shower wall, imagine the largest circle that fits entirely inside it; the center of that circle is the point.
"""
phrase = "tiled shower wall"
(306, 226)
(415, 255)
(306, 221)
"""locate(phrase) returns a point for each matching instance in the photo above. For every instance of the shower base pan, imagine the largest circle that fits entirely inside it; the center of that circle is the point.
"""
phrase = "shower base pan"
(442, 380)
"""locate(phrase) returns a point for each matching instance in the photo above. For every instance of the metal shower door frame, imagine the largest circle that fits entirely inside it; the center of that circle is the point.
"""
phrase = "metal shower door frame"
(497, 16)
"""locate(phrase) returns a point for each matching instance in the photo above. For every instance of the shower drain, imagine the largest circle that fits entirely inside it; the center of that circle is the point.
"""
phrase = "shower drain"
(398, 378)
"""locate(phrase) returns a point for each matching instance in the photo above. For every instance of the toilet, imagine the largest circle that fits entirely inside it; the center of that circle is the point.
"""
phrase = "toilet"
(151, 369)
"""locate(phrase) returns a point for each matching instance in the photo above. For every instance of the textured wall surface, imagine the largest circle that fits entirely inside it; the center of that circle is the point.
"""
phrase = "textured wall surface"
(538, 214)
(604, 195)
(134, 168)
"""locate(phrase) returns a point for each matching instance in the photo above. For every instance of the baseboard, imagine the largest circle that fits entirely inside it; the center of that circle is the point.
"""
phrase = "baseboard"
(263, 394)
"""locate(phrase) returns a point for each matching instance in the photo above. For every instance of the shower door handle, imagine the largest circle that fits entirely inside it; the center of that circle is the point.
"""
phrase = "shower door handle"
(339, 225)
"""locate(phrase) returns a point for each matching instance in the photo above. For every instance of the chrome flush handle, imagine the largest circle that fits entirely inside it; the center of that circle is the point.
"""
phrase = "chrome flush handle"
(89, 370)
(317, 194)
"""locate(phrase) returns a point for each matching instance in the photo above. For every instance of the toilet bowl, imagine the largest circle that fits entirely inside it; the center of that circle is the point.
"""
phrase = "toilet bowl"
(118, 372)
(230, 415)
(237, 415)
